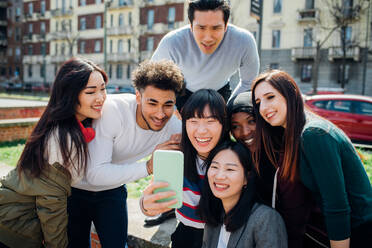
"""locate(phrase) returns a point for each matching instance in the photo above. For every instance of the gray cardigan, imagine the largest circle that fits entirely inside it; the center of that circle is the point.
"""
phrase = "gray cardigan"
(265, 229)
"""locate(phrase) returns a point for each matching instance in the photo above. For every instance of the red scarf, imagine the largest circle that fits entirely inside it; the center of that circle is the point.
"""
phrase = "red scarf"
(88, 132)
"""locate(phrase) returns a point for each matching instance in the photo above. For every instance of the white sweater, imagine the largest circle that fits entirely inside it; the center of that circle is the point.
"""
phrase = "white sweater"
(236, 52)
(119, 144)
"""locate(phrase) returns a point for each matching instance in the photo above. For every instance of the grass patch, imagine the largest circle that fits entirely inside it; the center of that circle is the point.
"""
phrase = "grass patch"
(11, 151)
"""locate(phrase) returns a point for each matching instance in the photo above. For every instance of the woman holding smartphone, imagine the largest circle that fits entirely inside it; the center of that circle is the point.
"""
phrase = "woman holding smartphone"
(311, 152)
(227, 204)
(33, 196)
(203, 127)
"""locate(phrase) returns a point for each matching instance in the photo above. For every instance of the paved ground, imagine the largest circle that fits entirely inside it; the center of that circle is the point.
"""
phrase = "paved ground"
(4, 169)
(4, 102)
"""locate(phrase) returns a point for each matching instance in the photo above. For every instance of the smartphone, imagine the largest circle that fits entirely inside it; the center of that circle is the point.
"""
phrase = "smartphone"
(168, 167)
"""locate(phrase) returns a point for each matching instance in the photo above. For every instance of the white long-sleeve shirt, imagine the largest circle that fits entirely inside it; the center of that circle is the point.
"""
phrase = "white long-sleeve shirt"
(119, 144)
(236, 52)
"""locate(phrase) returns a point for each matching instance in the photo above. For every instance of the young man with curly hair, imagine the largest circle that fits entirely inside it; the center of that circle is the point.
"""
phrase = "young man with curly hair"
(131, 128)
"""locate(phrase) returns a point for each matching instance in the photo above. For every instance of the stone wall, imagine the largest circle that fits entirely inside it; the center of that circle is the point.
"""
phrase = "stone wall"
(16, 129)
(22, 112)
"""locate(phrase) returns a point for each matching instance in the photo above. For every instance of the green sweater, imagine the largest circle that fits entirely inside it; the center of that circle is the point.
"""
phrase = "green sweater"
(331, 168)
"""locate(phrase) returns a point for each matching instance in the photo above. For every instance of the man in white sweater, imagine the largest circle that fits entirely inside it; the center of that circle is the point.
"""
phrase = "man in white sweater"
(131, 128)
(209, 51)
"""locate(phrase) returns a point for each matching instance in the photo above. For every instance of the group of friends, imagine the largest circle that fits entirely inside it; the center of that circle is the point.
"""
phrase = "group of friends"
(260, 170)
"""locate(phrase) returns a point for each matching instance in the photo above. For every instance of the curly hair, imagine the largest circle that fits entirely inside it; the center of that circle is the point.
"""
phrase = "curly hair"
(163, 74)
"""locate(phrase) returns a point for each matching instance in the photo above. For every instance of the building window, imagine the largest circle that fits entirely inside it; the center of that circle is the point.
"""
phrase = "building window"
(30, 28)
(97, 46)
(347, 31)
(150, 43)
(29, 50)
(130, 18)
(82, 23)
(98, 2)
(18, 51)
(309, 4)
(17, 34)
(110, 46)
(121, 20)
(82, 47)
(128, 71)
(129, 45)
(308, 37)
(111, 20)
(42, 28)
(306, 71)
(83, 2)
(63, 48)
(42, 70)
(171, 17)
(110, 71)
(98, 22)
(346, 73)
(276, 39)
(10, 51)
(43, 49)
(150, 18)
(120, 46)
(122, 3)
(42, 8)
(119, 71)
(56, 49)
(277, 6)
(57, 24)
(274, 66)
(30, 8)
(29, 70)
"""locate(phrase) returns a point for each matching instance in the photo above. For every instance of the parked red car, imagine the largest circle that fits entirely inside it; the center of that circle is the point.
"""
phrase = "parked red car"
(351, 113)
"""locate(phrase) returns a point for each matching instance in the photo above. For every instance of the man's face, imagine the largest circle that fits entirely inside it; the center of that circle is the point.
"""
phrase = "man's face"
(154, 107)
(208, 28)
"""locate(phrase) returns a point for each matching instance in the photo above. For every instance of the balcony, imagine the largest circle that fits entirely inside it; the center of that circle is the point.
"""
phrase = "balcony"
(121, 57)
(62, 12)
(128, 30)
(125, 4)
(158, 2)
(308, 15)
(59, 58)
(146, 55)
(298, 53)
(27, 37)
(160, 28)
(336, 53)
(32, 59)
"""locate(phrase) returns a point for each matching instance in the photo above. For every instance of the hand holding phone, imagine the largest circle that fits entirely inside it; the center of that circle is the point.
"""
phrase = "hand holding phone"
(168, 167)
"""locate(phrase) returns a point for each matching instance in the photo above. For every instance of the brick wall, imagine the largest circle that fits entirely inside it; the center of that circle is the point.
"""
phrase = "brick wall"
(16, 130)
(15, 113)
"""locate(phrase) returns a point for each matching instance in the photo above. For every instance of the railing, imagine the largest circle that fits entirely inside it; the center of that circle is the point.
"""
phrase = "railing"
(308, 15)
(121, 57)
(303, 53)
(62, 12)
(117, 5)
(33, 59)
(120, 30)
(59, 58)
(352, 52)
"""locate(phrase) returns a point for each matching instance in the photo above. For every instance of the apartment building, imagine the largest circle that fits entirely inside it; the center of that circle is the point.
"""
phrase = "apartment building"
(3, 38)
(290, 30)
(14, 71)
(115, 34)
(157, 18)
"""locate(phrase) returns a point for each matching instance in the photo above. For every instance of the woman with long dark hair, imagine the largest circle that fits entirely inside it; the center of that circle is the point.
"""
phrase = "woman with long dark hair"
(33, 197)
(228, 203)
(204, 125)
(313, 159)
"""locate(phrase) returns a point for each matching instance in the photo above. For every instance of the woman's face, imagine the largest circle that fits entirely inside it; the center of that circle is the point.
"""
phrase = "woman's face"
(226, 178)
(91, 98)
(272, 105)
(204, 133)
(243, 126)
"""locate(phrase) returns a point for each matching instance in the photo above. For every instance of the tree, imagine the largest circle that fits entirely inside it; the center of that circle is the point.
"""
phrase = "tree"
(67, 35)
(341, 13)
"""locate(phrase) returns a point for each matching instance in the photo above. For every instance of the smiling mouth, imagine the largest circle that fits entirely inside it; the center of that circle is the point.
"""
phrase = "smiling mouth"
(269, 115)
(203, 140)
(97, 108)
(248, 141)
(220, 187)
